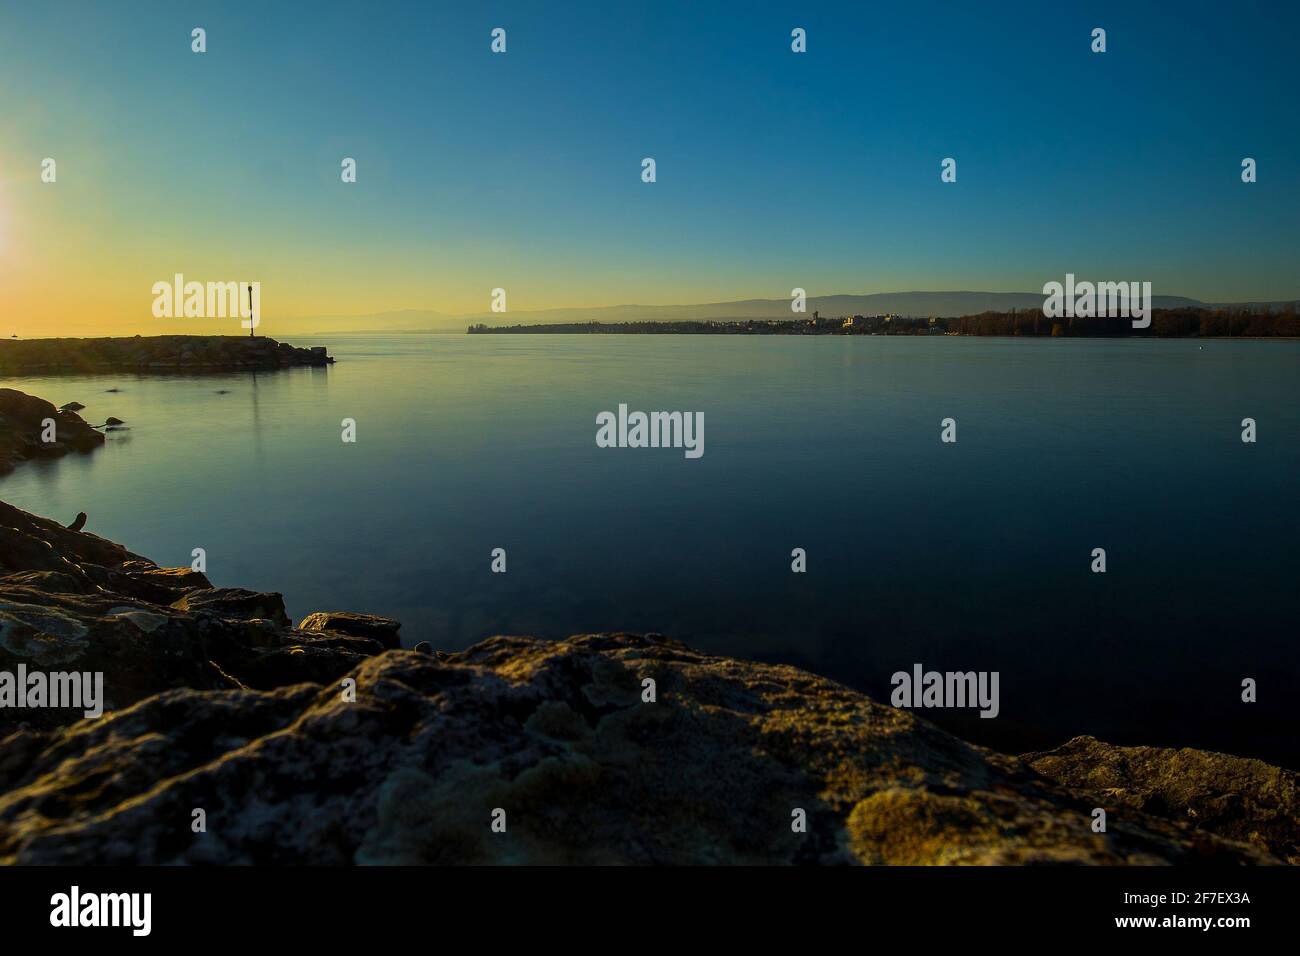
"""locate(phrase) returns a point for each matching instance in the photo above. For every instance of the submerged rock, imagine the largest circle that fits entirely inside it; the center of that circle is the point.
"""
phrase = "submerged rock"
(23, 421)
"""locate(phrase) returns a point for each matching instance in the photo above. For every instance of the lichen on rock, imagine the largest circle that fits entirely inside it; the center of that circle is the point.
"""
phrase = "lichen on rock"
(327, 744)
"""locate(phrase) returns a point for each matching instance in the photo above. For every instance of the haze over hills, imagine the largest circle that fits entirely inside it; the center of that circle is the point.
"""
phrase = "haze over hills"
(912, 304)
(400, 320)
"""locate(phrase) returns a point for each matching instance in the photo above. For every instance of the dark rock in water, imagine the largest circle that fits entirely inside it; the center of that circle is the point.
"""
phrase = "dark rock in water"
(72, 407)
(382, 629)
(78, 522)
(23, 420)
(108, 391)
(424, 647)
(223, 391)
(113, 421)
(1236, 797)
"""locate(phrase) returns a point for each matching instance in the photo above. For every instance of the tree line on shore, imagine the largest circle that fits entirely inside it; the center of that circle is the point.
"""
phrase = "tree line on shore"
(1186, 322)
(1165, 323)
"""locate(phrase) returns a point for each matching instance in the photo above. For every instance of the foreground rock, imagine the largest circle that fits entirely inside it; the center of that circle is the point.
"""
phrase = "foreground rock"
(318, 746)
(72, 601)
(154, 353)
(1236, 797)
(382, 629)
(557, 735)
(23, 420)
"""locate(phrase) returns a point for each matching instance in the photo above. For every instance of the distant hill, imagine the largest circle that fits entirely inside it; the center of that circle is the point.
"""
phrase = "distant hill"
(913, 304)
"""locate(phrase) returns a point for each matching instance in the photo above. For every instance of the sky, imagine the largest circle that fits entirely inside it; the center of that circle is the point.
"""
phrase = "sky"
(522, 170)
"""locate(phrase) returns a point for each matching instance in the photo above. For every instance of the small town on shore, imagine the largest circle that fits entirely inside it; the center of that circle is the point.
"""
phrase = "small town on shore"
(1165, 323)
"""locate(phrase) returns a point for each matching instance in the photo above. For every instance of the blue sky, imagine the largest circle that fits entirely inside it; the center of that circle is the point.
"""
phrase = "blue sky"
(774, 169)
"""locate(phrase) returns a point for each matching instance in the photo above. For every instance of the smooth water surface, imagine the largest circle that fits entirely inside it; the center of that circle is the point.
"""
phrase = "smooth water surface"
(970, 556)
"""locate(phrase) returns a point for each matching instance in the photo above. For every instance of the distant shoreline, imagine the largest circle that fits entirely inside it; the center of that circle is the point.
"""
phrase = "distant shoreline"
(1164, 323)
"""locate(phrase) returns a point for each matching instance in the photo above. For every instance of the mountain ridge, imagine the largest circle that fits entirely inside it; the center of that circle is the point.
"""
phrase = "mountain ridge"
(915, 304)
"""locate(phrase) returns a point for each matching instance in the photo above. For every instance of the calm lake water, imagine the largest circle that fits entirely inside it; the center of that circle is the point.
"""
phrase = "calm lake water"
(970, 556)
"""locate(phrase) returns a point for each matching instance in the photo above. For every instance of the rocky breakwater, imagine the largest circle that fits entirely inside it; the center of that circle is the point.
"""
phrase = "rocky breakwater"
(327, 743)
(72, 602)
(154, 353)
(25, 424)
